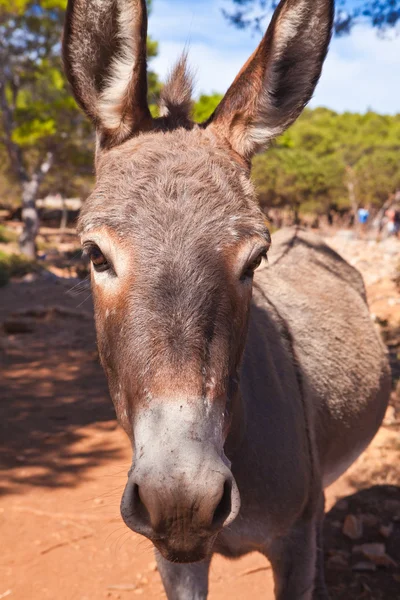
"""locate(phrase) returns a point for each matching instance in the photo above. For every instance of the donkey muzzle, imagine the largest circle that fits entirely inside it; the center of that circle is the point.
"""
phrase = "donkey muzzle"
(180, 491)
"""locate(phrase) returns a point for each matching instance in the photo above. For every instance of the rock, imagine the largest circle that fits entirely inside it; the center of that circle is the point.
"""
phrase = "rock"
(364, 566)
(346, 234)
(152, 566)
(386, 530)
(393, 301)
(376, 553)
(337, 561)
(352, 527)
(29, 277)
(124, 587)
(370, 520)
(390, 416)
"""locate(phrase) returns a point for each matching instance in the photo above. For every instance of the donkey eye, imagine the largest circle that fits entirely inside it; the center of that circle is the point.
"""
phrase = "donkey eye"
(99, 261)
(252, 265)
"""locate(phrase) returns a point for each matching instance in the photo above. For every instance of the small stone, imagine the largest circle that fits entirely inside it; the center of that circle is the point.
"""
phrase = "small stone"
(386, 530)
(352, 527)
(123, 587)
(335, 552)
(370, 520)
(364, 566)
(152, 566)
(390, 416)
(30, 277)
(376, 553)
(337, 562)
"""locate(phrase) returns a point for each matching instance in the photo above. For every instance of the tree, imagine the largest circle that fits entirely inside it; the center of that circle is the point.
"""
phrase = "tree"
(378, 176)
(29, 86)
(298, 179)
(381, 14)
(205, 106)
(46, 138)
(331, 161)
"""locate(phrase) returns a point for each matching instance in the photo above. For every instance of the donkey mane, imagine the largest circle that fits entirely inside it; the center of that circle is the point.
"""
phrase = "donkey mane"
(176, 97)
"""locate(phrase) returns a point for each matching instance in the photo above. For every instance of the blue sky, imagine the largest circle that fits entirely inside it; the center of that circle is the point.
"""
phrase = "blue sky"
(362, 71)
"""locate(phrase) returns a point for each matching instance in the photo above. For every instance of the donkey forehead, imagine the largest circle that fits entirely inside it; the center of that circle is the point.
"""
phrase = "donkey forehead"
(178, 180)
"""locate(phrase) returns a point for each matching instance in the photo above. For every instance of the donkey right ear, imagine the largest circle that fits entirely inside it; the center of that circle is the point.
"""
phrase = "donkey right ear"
(278, 80)
(104, 54)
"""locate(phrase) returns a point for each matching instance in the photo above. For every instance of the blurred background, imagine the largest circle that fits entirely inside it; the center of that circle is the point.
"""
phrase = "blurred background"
(63, 461)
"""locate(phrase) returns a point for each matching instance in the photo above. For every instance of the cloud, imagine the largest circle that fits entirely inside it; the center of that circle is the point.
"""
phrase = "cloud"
(216, 50)
(361, 71)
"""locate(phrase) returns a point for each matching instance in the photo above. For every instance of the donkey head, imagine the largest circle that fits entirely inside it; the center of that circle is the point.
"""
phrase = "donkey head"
(174, 234)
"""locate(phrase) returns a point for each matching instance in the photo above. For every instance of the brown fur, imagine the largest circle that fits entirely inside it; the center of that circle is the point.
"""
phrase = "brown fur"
(176, 96)
(90, 44)
(242, 398)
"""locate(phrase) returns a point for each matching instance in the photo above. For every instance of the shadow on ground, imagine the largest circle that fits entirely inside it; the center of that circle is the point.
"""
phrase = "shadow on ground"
(366, 567)
(51, 388)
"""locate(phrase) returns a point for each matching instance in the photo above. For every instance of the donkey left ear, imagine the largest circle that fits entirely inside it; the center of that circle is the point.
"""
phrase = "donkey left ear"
(104, 53)
(278, 80)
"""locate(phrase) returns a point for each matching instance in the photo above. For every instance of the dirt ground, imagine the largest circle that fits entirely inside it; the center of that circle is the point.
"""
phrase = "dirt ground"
(64, 462)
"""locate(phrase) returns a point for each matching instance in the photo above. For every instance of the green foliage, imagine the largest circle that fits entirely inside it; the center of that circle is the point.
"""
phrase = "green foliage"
(205, 106)
(45, 117)
(308, 167)
(7, 235)
(15, 265)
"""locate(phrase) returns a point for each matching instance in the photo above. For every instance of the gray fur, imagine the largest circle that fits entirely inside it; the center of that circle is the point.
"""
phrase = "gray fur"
(243, 398)
(314, 379)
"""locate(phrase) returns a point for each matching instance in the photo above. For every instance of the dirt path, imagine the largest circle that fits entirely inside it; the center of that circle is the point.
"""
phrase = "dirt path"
(64, 465)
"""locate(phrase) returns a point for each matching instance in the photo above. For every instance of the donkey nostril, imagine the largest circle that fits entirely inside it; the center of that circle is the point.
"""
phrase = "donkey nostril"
(138, 504)
(135, 495)
(224, 507)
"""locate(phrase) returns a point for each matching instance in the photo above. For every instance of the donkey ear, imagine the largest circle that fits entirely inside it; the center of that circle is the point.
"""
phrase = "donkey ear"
(104, 53)
(278, 80)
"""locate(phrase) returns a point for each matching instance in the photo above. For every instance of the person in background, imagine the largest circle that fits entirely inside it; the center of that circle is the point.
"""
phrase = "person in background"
(363, 216)
(393, 221)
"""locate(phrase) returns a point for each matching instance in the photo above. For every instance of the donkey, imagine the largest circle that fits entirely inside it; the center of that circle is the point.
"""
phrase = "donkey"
(243, 394)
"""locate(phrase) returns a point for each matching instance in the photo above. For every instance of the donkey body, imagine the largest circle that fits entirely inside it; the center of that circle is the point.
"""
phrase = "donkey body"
(243, 394)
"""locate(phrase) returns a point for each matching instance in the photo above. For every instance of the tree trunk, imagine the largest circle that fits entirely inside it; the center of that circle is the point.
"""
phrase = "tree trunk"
(351, 189)
(30, 216)
(30, 185)
(64, 215)
(30, 219)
